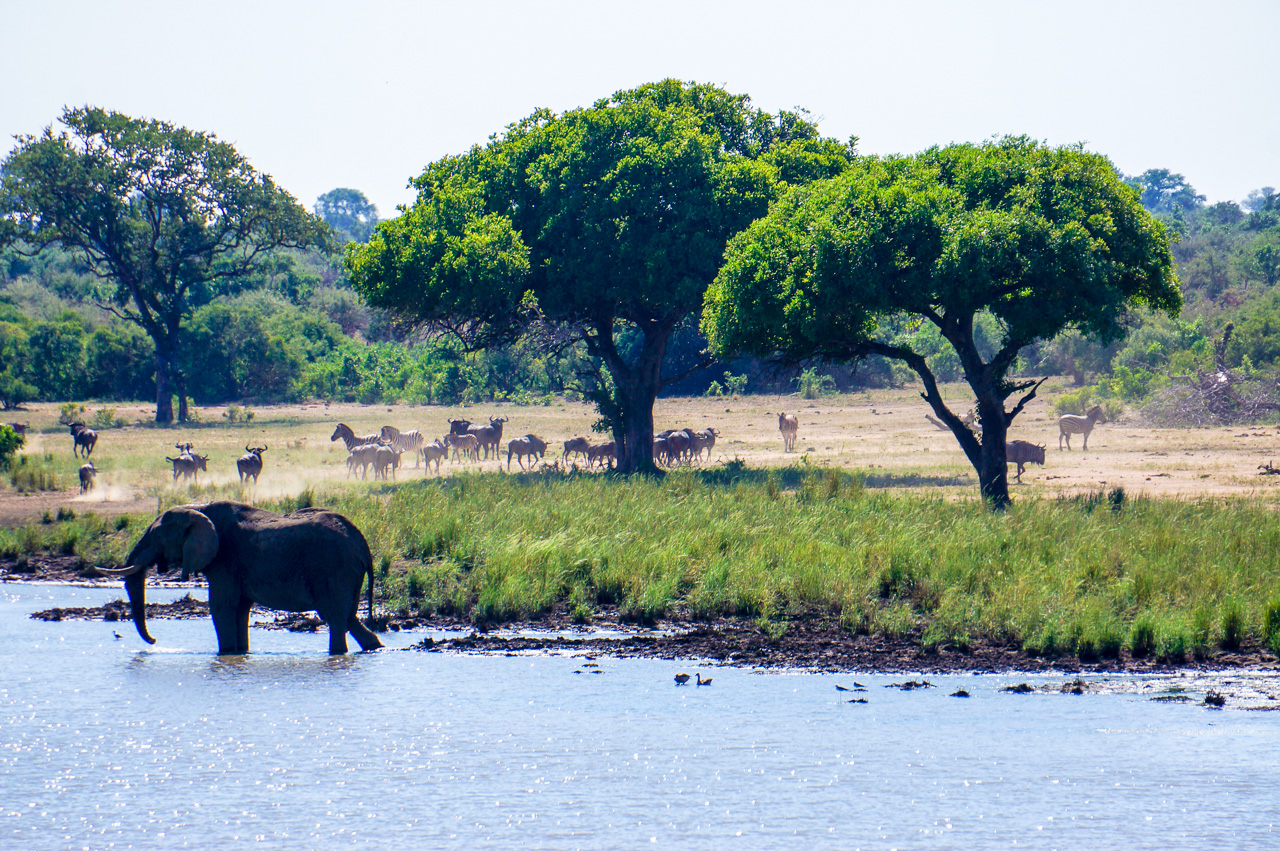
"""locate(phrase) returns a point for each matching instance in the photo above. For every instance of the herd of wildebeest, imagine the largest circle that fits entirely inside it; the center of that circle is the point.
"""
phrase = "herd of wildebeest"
(467, 441)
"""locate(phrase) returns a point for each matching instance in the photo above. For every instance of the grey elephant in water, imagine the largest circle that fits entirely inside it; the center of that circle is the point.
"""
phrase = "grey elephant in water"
(310, 560)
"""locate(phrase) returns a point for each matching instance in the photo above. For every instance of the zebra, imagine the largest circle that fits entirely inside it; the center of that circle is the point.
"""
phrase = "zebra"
(1072, 424)
(350, 438)
(404, 441)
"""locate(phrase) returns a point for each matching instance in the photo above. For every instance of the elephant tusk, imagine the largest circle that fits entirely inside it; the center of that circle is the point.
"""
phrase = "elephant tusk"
(119, 572)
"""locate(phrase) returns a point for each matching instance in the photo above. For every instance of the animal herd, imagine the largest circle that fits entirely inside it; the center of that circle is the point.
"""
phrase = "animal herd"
(467, 441)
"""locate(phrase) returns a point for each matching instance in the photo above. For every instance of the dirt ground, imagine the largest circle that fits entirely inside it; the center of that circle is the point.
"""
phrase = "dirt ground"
(882, 433)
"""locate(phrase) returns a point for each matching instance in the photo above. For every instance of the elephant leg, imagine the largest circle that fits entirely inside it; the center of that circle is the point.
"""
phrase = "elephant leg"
(242, 624)
(361, 633)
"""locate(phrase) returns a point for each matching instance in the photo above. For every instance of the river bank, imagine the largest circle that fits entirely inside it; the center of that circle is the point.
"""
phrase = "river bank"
(814, 642)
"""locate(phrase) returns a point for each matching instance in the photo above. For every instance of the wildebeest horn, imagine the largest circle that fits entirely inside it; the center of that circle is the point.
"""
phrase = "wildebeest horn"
(246, 448)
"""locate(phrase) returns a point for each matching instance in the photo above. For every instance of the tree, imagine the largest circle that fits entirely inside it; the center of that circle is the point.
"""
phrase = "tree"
(1163, 191)
(1046, 239)
(165, 215)
(348, 212)
(604, 224)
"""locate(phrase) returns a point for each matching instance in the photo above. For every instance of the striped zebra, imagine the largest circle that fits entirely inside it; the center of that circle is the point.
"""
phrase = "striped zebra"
(350, 438)
(405, 441)
(1072, 424)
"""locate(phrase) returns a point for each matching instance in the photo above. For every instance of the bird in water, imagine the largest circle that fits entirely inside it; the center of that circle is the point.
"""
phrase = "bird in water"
(116, 634)
(682, 678)
(703, 682)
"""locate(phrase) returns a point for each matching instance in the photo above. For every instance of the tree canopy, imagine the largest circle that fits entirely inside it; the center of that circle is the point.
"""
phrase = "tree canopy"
(1043, 239)
(604, 224)
(348, 212)
(165, 216)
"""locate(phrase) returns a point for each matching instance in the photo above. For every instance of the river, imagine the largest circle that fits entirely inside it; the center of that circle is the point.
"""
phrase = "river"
(109, 743)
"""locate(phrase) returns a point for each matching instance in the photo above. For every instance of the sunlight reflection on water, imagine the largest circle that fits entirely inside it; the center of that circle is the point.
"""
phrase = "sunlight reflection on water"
(110, 743)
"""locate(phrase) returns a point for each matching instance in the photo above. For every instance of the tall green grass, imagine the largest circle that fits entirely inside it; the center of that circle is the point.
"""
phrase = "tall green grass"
(1166, 578)
(1091, 577)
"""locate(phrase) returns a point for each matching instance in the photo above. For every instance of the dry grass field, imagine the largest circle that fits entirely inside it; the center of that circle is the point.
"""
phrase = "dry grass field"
(882, 433)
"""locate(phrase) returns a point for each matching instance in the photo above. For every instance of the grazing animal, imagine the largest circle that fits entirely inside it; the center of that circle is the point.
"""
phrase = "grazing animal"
(1021, 452)
(682, 678)
(531, 445)
(661, 450)
(19, 428)
(679, 445)
(361, 456)
(459, 426)
(350, 438)
(405, 441)
(489, 436)
(83, 439)
(577, 446)
(87, 472)
(467, 445)
(790, 427)
(250, 464)
(433, 452)
(705, 439)
(188, 466)
(602, 454)
(385, 458)
(703, 682)
(1073, 424)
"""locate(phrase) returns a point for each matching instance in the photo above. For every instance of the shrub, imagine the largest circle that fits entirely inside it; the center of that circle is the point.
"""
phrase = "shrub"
(1232, 624)
(10, 443)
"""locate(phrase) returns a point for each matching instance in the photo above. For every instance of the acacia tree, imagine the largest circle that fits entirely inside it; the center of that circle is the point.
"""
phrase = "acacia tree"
(162, 214)
(604, 225)
(1045, 239)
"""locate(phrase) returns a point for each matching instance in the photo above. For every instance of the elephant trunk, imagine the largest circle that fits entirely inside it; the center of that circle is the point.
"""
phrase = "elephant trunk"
(135, 584)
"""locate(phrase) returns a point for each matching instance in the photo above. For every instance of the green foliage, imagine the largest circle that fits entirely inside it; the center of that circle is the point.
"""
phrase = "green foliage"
(813, 384)
(349, 213)
(1042, 239)
(172, 213)
(601, 223)
(10, 443)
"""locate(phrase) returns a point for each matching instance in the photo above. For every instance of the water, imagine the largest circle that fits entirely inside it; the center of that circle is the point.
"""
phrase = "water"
(108, 743)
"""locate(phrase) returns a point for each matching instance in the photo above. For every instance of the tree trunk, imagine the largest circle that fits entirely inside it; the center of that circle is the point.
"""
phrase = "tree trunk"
(164, 388)
(636, 387)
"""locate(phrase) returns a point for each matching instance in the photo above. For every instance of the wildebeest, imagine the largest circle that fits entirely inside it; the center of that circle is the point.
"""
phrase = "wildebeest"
(1021, 452)
(361, 456)
(489, 436)
(705, 439)
(350, 438)
(459, 426)
(83, 439)
(790, 427)
(433, 452)
(405, 441)
(1072, 424)
(385, 458)
(602, 454)
(250, 463)
(188, 465)
(577, 446)
(531, 445)
(87, 472)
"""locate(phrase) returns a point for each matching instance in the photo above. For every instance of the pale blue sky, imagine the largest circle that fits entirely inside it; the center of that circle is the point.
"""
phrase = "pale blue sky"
(328, 94)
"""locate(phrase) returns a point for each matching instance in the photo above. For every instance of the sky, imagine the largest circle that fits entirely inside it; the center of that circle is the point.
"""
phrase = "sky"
(363, 95)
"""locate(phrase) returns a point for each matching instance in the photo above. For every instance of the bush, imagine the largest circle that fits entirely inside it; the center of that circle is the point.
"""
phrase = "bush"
(813, 384)
(10, 443)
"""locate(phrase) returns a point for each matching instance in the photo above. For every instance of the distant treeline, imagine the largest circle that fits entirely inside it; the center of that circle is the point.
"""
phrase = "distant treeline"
(297, 331)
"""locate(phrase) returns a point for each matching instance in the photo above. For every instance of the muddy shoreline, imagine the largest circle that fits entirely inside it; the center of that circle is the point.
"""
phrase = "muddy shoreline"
(812, 643)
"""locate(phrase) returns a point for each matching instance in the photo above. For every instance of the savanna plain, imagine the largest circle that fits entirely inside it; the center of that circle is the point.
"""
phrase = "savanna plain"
(867, 548)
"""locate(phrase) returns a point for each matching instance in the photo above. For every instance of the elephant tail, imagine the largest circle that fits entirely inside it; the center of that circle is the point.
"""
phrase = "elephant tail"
(369, 570)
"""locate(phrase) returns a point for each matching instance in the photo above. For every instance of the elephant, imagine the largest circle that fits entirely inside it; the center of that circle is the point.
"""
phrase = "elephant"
(310, 560)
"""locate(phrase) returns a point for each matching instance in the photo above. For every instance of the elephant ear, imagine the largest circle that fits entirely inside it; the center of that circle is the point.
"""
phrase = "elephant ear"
(200, 539)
